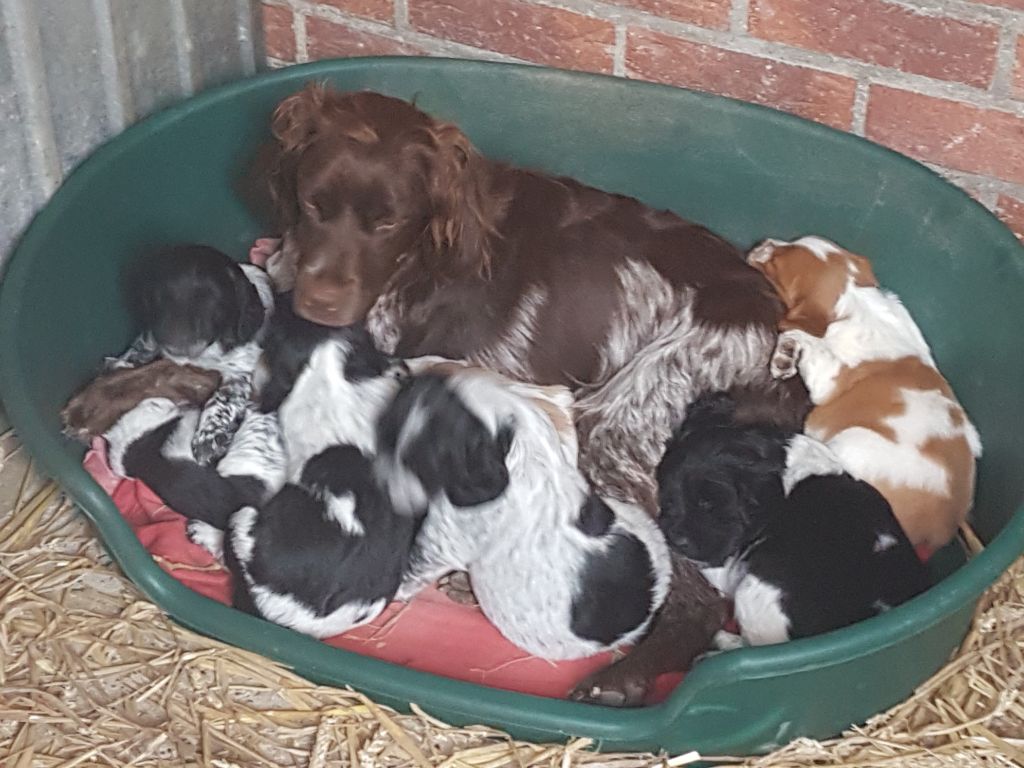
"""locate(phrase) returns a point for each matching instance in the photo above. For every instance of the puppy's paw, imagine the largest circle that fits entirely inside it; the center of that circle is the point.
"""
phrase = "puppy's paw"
(787, 355)
(206, 536)
(209, 447)
(457, 588)
(612, 687)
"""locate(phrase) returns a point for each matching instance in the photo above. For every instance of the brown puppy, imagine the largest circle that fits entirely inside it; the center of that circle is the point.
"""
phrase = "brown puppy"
(880, 402)
(95, 408)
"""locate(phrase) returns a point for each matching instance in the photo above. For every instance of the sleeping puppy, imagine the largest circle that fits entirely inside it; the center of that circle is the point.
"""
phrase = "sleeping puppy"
(801, 546)
(197, 306)
(880, 403)
(152, 442)
(559, 571)
(327, 552)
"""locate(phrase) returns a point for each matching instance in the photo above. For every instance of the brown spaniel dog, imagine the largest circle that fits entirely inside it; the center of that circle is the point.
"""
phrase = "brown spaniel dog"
(391, 217)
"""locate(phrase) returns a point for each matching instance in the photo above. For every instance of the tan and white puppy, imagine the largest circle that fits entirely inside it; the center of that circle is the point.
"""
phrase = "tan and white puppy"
(880, 403)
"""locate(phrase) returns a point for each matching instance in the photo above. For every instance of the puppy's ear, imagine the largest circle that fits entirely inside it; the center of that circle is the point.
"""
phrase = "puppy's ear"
(862, 271)
(248, 309)
(465, 212)
(475, 470)
(807, 316)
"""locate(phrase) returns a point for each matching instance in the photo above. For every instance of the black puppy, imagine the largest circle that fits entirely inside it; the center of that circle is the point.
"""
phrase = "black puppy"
(800, 545)
(195, 305)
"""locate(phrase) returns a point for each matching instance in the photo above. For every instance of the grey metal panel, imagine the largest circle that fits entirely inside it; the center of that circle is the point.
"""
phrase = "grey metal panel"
(146, 36)
(19, 193)
(74, 72)
(71, 43)
(209, 24)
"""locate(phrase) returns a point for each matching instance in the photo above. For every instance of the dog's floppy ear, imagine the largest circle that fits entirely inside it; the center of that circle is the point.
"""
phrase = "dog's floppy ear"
(249, 311)
(444, 444)
(476, 471)
(294, 125)
(862, 271)
(464, 208)
(297, 119)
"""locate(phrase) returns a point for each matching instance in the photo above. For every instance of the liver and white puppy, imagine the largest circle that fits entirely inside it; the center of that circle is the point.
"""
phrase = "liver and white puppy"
(197, 306)
(880, 403)
(561, 572)
(801, 546)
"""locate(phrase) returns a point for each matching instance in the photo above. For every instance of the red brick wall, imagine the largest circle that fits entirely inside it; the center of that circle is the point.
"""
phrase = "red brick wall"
(940, 80)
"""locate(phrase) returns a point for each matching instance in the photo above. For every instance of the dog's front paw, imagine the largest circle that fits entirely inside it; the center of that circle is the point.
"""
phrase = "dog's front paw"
(615, 686)
(206, 536)
(457, 588)
(787, 354)
(210, 447)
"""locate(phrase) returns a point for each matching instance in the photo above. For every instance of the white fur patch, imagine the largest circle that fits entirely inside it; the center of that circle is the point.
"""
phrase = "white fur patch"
(819, 246)
(883, 542)
(807, 457)
(759, 612)
(241, 525)
(288, 612)
(256, 451)
(208, 537)
(325, 409)
(140, 420)
(342, 510)
(510, 354)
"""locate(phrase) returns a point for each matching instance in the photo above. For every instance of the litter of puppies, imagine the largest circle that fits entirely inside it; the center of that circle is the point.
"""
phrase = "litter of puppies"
(612, 449)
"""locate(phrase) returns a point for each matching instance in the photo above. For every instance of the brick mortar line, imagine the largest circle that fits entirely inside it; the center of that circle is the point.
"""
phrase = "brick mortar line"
(739, 16)
(402, 15)
(859, 117)
(960, 10)
(429, 43)
(1006, 61)
(619, 51)
(301, 37)
(751, 46)
(979, 181)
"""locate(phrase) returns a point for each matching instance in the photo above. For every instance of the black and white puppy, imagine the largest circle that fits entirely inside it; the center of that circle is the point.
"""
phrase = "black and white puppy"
(153, 442)
(327, 553)
(195, 305)
(561, 572)
(801, 546)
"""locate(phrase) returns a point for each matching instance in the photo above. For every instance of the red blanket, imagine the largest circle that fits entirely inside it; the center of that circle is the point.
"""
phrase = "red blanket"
(430, 634)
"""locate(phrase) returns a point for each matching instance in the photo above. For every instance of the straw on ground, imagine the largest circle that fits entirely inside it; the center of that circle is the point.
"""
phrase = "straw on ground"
(91, 674)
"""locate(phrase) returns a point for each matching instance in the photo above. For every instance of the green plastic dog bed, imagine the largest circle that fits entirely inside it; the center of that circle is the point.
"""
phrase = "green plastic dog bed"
(746, 171)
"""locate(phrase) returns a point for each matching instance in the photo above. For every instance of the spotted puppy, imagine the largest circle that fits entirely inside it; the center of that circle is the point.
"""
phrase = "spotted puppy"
(801, 546)
(560, 571)
(880, 403)
(197, 306)
(327, 552)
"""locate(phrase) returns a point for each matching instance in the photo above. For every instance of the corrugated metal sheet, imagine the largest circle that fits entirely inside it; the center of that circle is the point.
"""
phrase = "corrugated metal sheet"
(74, 72)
